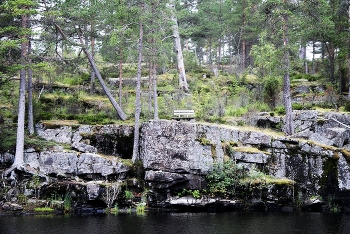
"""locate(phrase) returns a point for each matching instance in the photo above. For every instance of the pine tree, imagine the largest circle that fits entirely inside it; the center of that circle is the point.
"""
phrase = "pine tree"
(21, 10)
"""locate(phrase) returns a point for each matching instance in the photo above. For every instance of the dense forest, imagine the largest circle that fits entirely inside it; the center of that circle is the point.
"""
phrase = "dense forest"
(99, 62)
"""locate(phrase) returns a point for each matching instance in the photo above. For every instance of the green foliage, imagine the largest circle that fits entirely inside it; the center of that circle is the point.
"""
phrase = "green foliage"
(204, 141)
(194, 193)
(308, 77)
(347, 106)
(67, 202)
(115, 209)
(8, 135)
(191, 62)
(140, 207)
(280, 110)
(272, 87)
(43, 209)
(225, 178)
(77, 80)
(237, 112)
(23, 199)
(7, 139)
(266, 57)
(301, 106)
(92, 119)
(129, 195)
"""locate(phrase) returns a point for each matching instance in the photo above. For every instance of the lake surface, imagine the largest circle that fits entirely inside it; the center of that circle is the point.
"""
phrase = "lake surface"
(180, 223)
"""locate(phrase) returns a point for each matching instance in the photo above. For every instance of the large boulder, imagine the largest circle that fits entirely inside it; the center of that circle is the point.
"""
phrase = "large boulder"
(103, 165)
(62, 134)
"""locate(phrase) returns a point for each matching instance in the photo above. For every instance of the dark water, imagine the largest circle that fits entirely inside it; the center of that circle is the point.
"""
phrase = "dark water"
(206, 223)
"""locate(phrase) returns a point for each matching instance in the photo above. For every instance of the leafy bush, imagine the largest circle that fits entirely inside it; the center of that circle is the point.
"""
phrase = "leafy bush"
(258, 106)
(67, 203)
(280, 110)
(129, 195)
(301, 106)
(347, 106)
(237, 112)
(7, 138)
(272, 87)
(224, 178)
(140, 207)
(194, 193)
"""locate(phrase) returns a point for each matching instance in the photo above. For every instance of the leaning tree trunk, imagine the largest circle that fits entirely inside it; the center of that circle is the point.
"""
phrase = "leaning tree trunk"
(92, 74)
(120, 78)
(120, 112)
(286, 87)
(30, 91)
(180, 60)
(135, 154)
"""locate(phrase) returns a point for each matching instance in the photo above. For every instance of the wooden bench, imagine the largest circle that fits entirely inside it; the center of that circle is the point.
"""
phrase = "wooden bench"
(184, 114)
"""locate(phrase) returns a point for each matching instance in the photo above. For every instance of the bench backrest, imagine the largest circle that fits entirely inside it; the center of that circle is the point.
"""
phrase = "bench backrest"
(187, 113)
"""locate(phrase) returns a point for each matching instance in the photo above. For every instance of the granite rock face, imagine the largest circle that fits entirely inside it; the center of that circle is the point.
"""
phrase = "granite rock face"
(178, 155)
(58, 162)
(113, 140)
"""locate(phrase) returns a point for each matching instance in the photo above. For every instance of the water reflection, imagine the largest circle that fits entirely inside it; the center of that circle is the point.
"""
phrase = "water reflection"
(149, 222)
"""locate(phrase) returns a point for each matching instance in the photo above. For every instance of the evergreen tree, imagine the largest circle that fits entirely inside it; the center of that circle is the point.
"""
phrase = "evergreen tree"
(19, 10)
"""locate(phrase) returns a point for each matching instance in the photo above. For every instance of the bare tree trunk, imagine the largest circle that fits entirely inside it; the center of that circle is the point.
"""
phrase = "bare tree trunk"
(348, 55)
(150, 85)
(286, 87)
(120, 112)
(135, 154)
(21, 115)
(155, 95)
(92, 73)
(243, 54)
(302, 56)
(180, 60)
(313, 59)
(120, 78)
(30, 92)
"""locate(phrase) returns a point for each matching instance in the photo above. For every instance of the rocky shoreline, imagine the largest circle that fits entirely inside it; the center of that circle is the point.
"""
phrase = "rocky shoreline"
(91, 166)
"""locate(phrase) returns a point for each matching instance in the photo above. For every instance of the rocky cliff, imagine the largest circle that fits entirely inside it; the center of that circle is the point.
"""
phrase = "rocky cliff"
(176, 156)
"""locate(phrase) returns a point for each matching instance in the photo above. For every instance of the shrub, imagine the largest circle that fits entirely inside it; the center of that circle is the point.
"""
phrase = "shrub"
(194, 193)
(224, 178)
(140, 207)
(236, 112)
(129, 195)
(115, 209)
(347, 106)
(281, 110)
(272, 86)
(7, 138)
(67, 203)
